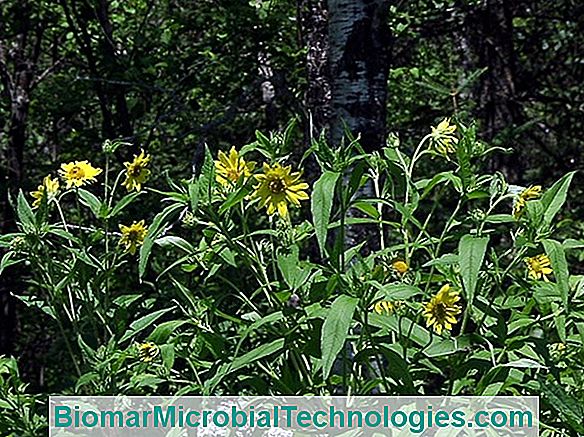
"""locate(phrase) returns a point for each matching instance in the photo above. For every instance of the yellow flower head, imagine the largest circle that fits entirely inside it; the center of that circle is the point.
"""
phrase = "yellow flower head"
(387, 307)
(278, 187)
(133, 236)
(228, 169)
(147, 351)
(531, 193)
(441, 311)
(46, 191)
(137, 172)
(443, 139)
(78, 173)
(539, 267)
(400, 266)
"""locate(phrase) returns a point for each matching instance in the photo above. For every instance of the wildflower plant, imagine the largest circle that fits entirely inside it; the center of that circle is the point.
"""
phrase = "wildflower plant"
(245, 280)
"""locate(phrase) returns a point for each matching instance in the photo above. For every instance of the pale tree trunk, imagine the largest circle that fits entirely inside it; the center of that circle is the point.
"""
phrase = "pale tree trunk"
(358, 61)
(359, 45)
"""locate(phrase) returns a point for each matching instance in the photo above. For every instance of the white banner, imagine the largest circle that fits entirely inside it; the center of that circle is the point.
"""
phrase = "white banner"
(129, 416)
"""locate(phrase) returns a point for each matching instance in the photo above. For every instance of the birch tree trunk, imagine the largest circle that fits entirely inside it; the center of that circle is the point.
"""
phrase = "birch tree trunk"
(359, 46)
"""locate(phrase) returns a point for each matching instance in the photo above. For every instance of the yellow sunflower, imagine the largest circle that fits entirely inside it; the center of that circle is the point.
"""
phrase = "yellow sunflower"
(441, 311)
(531, 193)
(78, 173)
(400, 266)
(539, 267)
(228, 169)
(386, 307)
(133, 236)
(443, 139)
(147, 351)
(278, 187)
(46, 191)
(137, 172)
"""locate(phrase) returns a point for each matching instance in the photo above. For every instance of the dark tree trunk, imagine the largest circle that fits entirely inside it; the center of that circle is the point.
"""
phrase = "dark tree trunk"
(18, 59)
(313, 17)
(115, 69)
(102, 64)
(498, 107)
(359, 46)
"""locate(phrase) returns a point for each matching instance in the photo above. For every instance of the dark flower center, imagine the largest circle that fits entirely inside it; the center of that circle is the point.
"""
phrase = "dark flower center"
(133, 235)
(440, 312)
(77, 172)
(276, 186)
(135, 170)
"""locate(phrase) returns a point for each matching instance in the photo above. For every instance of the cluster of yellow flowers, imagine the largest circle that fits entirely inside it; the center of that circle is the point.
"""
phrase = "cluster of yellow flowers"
(74, 174)
(79, 173)
(47, 190)
(441, 311)
(277, 187)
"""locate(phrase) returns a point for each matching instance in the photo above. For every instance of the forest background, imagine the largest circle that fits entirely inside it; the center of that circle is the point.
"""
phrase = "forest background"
(173, 76)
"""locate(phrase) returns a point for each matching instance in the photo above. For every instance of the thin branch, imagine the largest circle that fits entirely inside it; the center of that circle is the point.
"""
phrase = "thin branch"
(46, 73)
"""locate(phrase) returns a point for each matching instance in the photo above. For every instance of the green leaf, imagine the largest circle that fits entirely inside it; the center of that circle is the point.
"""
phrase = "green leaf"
(368, 207)
(162, 332)
(565, 404)
(88, 353)
(554, 198)
(154, 230)
(125, 300)
(335, 330)
(143, 323)
(7, 261)
(252, 356)
(500, 218)
(257, 353)
(167, 354)
(193, 189)
(428, 184)
(25, 212)
(90, 200)
(33, 302)
(524, 363)
(86, 379)
(393, 292)
(174, 241)
(125, 201)
(234, 198)
(447, 259)
(294, 272)
(433, 345)
(471, 253)
(555, 252)
(207, 178)
(321, 205)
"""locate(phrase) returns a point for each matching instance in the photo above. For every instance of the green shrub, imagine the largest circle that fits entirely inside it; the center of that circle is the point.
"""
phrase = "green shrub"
(398, 282)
